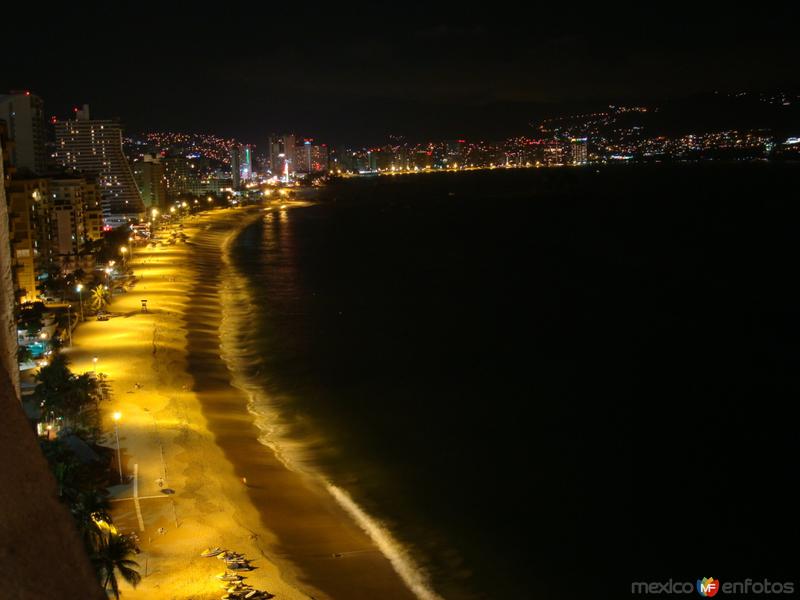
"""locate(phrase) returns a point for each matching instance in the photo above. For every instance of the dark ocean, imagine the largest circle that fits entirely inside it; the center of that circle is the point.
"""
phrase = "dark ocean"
(543, 383)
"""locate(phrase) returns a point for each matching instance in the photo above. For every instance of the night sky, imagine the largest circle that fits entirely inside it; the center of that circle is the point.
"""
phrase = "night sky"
(359, 73)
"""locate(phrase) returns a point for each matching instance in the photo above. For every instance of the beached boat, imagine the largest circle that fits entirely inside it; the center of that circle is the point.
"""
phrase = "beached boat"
(209, 552)
(238, 588)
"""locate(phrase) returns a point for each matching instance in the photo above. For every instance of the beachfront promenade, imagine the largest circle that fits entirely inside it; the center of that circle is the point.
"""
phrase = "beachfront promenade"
(165, 446)
(187, 441)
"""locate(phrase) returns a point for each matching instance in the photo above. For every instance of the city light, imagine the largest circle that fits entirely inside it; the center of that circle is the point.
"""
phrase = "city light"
(496, 225)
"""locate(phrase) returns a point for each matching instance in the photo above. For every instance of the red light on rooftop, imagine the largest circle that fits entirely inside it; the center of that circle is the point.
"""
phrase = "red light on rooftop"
(27, 93)
(75, 109)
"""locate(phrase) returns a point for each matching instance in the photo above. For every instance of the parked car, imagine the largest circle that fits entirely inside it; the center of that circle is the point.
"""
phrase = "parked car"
(102, 316)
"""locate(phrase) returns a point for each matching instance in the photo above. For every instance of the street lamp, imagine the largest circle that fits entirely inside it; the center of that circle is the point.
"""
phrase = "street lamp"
(124, 251)
(117, 416)
(94, 361)
(79, 289)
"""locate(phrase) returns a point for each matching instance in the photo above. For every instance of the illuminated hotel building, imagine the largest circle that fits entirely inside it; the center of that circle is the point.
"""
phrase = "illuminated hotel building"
(65, 201)
(94, 147)
(152, 181)
(302, 157)
(319, 158)
(554, 153)
(578, 151)
(180, 177)
(28, 224)
(280, 150)
(310, 157)
(92, 211)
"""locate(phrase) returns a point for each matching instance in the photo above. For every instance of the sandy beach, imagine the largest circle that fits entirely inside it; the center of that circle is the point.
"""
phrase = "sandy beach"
(186, 429)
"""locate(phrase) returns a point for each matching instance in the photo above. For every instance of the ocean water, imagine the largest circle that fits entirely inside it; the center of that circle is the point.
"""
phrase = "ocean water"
(542, 383)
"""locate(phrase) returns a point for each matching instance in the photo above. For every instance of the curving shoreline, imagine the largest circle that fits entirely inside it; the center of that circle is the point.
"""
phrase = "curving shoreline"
(185, 419)
(319, 547)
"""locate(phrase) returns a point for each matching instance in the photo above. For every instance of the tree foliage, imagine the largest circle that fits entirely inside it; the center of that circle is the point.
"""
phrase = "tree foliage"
(75, 398)
(112, 555)
(99, 298)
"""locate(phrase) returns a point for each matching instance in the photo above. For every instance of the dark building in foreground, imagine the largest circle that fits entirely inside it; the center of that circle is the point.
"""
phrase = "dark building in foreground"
(42, 555)
(23, 113)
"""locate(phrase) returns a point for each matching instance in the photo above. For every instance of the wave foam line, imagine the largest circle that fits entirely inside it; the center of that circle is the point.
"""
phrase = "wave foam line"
(411, 574)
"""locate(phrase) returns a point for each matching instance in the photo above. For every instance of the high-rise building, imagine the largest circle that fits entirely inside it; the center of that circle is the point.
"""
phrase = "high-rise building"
(578, 151)
(67, 233)
(455, 152)
(51, 219)
(302, 157)
(28, 225)
(280, 152)
(6, 143)
(152, 182)
(180, 176)
(310, 157)
(23, 113)
(554, 153)
(236, 169)
(319, 158)
(92, 211)
(246, 165)
(94, 147)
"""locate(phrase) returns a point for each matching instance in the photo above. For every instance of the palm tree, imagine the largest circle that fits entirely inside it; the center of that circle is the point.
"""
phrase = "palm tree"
(53, 383)
(112, 555)
(24, 354)
(66, 394)
(88, 508)
(99, 298)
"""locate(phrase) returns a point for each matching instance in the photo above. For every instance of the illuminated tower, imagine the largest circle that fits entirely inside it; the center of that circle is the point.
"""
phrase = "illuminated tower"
(246, 164)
